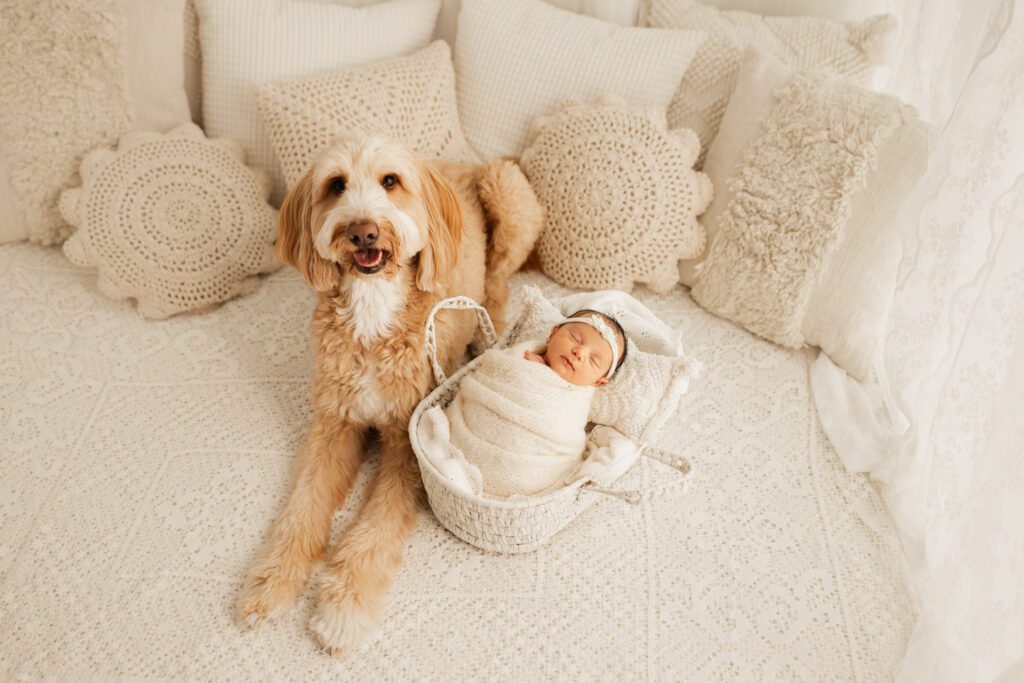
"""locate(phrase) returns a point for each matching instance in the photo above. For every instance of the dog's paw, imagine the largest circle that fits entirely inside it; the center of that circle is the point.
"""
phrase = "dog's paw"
(341, 624)
(266, 596)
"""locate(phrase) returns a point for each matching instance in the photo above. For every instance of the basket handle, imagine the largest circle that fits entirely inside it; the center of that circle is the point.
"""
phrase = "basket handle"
(634, 496)
(457, 303)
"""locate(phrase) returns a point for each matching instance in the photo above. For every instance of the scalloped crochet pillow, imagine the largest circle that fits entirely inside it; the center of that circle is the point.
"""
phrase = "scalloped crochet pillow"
(176, 221)
(411, 99)
(852, 49)
(646, 390)
(620, 195)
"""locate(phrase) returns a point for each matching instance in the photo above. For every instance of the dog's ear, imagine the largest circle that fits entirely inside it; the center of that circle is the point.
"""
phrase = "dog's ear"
(441, 253)
(295, 238)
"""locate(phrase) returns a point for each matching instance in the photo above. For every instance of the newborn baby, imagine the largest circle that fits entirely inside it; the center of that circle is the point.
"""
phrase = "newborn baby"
(519, 418)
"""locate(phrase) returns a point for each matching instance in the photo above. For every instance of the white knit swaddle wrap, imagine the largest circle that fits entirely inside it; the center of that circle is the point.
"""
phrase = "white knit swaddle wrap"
(519, 422)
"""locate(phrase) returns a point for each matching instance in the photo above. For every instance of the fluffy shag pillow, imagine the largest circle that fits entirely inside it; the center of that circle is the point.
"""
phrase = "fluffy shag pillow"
(645, 391)
(410, 99)
(63, 92)
(805, 231)
(175, 221)
(852, 49)
(620, 195)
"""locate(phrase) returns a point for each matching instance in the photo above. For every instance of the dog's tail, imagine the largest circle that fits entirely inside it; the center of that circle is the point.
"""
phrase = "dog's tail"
(514, 221)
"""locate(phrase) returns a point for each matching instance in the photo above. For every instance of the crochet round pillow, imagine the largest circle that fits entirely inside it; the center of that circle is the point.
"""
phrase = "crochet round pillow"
(176, 221)
(620, 194)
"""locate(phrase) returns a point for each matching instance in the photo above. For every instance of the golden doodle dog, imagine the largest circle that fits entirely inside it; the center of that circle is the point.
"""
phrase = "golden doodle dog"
(381, 236)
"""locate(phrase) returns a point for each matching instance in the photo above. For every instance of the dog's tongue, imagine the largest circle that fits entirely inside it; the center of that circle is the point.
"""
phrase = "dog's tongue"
(368, 258)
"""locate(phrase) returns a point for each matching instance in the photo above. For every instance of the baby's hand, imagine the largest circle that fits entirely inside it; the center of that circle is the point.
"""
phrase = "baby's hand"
(529, 355)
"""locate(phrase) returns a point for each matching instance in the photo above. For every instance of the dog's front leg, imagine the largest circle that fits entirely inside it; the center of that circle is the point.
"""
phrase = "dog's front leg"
(321, 479)
(358, 573)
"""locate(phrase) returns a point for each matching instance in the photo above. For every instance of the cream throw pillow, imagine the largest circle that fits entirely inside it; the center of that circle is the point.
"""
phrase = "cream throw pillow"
(62, 93)
(620, 195)
(515, 61)
(248, 42)
(805, 240)
(850, 48)
(175, 221)
(410, 99)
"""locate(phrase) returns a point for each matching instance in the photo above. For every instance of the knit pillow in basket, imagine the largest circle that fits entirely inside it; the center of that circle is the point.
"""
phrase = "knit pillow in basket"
(645, 391)
(411, 99)
(620, 195)
(176, 221)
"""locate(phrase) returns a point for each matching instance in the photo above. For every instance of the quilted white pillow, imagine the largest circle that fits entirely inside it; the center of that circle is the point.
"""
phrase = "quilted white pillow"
(248, 42)
(517, 60)
(850, 48)
(645, 391)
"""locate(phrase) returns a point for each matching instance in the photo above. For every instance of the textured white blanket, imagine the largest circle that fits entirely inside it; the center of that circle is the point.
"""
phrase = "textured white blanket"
(519, 422)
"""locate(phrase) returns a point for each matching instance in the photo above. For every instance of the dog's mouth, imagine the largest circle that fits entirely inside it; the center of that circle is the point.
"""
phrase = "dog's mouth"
(370, 261)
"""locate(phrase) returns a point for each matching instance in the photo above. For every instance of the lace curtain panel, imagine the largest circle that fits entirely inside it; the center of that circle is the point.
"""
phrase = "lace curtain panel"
(946, 436)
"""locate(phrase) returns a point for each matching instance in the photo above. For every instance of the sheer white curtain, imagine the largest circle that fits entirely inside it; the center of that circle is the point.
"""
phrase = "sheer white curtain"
(949, 452)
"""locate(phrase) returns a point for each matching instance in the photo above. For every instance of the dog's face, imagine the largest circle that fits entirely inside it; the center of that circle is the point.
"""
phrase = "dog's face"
(367, 208)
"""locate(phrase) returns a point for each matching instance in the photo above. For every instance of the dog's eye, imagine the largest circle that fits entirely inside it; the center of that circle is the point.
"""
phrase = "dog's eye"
(338, 185)
(389, 181)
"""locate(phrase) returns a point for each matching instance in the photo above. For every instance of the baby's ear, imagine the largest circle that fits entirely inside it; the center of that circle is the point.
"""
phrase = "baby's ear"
(601, 382)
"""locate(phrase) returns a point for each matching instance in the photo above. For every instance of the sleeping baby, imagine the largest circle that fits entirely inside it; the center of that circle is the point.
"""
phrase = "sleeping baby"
(517, 424)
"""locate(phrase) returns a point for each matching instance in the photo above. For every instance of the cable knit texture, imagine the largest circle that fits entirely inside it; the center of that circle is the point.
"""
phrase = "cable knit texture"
(850, 48)
(620, 195)
(143, 464)
(411, 99)
(64, 92)
(176, 221)
(645, 391)
(790, 200)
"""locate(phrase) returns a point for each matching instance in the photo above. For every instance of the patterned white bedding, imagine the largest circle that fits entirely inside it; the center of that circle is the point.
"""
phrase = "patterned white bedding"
(141, 462)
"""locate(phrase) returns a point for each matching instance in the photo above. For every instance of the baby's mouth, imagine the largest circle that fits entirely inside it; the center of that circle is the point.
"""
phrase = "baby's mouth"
(369, 261)
(568, 362)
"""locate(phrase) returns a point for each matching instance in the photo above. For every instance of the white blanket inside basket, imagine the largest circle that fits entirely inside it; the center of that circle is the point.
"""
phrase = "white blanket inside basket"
(518, 423)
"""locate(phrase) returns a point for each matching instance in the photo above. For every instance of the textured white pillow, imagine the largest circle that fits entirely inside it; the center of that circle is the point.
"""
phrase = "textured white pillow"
(154, 35)
(410, 99)
(63, 92)
(248, 42)
(517, 60)
(850, 48)
(838, 298)
(646, 389)
(175, 221)
(620, 195)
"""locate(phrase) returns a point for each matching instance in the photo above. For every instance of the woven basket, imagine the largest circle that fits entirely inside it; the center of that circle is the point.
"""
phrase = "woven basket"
(504, 526)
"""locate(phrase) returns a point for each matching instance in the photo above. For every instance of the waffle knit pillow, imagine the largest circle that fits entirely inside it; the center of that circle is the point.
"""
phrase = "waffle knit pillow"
(850, 48)
(175, 221)
(642, 394)
(620, 195)
(410, 99)
(515, 61)
(804, 234)
(248, 42)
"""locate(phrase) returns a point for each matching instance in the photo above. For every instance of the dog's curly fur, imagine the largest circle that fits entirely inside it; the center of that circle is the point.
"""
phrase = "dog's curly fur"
(444, 229)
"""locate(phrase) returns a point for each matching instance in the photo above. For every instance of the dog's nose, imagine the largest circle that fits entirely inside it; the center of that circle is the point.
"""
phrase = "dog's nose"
(362, 233)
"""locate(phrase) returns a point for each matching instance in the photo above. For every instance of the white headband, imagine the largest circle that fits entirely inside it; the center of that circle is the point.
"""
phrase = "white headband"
(601, 326)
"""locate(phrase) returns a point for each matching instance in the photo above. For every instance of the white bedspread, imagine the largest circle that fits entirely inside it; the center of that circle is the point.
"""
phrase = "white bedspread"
(141, 462)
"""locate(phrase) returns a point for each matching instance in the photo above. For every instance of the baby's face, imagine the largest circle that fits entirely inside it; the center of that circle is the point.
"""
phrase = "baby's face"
(579, 353)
